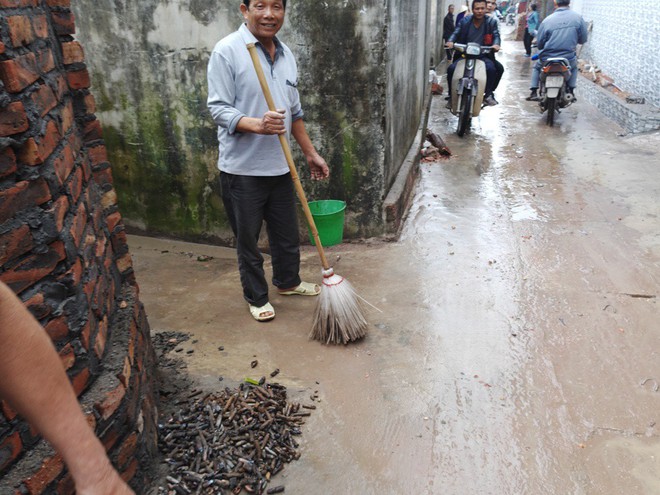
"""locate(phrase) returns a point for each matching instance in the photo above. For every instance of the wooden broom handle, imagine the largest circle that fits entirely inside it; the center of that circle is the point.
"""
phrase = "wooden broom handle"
(287, 153)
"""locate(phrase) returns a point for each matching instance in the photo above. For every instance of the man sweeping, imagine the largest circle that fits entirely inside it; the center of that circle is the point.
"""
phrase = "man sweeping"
(255, 180)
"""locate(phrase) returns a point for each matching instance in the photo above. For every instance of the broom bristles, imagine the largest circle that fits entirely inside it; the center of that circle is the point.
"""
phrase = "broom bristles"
(339, 315)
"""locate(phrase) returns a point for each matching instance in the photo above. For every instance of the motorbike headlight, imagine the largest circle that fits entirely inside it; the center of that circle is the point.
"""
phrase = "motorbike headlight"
(473, 50)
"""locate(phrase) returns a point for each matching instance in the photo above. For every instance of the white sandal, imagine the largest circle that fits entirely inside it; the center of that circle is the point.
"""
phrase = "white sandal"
(304, 289)
(262, 313)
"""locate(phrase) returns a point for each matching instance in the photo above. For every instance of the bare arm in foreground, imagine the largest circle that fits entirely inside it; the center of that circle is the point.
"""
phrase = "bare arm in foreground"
(35, 385)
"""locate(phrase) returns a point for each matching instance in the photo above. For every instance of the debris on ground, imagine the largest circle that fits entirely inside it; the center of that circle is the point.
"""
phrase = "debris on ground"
(232, 441)
(434, 147)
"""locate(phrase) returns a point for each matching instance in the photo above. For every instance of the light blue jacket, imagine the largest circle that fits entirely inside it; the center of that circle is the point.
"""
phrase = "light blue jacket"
(532, 22)
(560, 33)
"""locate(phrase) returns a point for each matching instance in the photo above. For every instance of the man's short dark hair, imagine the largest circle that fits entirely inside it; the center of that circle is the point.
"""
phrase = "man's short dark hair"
(247, 3)
(563, 3)
(474, 2)
(533, 6)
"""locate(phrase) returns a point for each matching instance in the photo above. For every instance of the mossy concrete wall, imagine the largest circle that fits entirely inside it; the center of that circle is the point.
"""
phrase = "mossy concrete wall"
(363, 75)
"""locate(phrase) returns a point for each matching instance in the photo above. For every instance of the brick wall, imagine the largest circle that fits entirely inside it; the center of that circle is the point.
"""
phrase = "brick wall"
(63, 248)
(624, 44)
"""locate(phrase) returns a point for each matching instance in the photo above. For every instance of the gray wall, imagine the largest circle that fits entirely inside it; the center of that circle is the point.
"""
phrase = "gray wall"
(363, 71)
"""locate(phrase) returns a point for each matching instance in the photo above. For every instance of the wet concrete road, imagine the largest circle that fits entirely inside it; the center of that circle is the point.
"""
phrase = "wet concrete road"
(517, 351)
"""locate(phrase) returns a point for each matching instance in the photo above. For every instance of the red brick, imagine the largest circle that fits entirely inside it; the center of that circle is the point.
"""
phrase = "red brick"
(74, 187)
(60, 209)
(68, 356)
(40, 25)
(13, 119)
(79, 223)
(87, 175)
(76, 143)
(20, 30)
(98, 155)
(113, 219)
(110, 438)
(90, 103)
(76, 272)
(67, 117)
(101, 337)
(45, 61)
(78, 79)
(15, 243)
(64, 164)
(10, 448)
(63, 22)
(2, 47)
(125, 375)
(50, 469)
(88, 330)
(103, 177)
(111, 402)
(29, 271)
(72, 52)
(92, 131)
(37, 306)
(44, 99)
(58, 3)
(128, 474)
(9, 4)
(101, 301)
(126, 450)
(57, 328)
(7, 162)
(22, 195)
(101, 246)
(80, 381)
(62, 87)
(34, 153)
(19, 73)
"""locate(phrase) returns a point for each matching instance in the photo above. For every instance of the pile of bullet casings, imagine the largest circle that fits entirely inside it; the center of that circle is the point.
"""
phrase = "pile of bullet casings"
(231, 441)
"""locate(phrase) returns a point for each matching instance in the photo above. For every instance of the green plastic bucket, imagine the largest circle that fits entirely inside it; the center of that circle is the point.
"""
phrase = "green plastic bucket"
(328, 216)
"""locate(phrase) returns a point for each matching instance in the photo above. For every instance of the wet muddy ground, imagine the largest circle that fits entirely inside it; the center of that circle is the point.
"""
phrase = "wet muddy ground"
(517, 351)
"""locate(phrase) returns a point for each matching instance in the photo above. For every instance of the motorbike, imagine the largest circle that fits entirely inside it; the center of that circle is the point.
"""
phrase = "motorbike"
(468, 84)
(511, 19)
(553, 89)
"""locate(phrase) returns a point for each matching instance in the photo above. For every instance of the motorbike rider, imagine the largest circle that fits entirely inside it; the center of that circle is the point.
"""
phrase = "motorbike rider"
(481, 29)
(558, 36)
(491, 9)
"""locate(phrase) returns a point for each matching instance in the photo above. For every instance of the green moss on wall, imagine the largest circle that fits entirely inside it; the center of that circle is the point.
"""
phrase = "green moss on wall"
(165, 175)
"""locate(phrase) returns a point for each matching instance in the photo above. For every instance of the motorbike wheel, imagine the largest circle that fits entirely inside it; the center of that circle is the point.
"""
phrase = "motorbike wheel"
(550, 108)
(464, 115)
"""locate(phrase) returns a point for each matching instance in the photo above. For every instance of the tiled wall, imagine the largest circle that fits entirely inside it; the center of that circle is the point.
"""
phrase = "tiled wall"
(625, 43)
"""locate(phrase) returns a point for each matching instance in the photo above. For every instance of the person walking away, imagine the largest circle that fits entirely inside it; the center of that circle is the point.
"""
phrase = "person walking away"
(481, 29)
(491, 8)
(531, 28)
(448, 27)
(558, 36)
(255, 180)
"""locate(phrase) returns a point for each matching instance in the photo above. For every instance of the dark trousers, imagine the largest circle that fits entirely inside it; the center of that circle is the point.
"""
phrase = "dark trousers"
(248, 202)
(499, 70)
(527, 40)
(491, 75)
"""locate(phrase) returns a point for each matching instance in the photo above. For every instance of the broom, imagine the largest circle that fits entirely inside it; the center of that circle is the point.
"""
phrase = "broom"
(338, 318)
